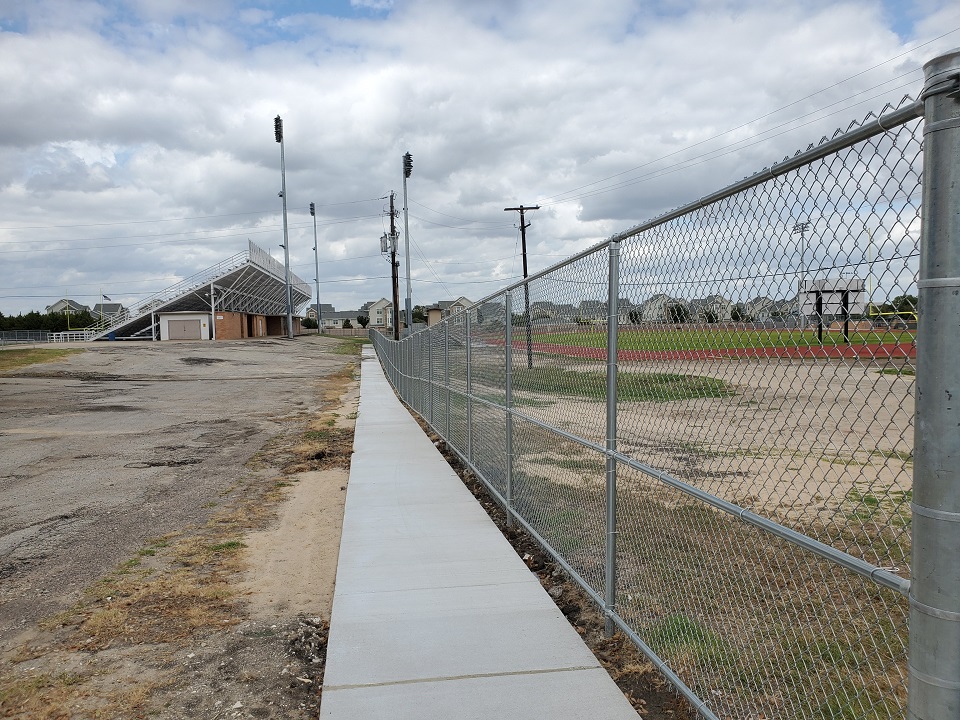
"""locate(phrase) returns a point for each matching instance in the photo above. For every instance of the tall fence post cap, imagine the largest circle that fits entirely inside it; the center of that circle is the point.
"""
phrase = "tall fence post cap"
(934, 71)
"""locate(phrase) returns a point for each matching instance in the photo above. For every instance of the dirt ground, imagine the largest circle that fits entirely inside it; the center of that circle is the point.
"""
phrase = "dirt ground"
(158, 507)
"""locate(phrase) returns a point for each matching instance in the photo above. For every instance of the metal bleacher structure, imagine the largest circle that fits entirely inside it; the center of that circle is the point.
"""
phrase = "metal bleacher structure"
(249, 282)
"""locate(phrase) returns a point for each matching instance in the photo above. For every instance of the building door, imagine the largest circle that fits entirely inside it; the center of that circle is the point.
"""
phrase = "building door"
(184, 329)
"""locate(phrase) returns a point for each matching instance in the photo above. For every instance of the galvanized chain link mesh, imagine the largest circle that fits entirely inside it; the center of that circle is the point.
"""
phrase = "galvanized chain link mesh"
(765, 360)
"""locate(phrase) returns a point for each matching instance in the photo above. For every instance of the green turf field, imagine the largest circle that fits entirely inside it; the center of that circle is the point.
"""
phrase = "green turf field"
(704, 339)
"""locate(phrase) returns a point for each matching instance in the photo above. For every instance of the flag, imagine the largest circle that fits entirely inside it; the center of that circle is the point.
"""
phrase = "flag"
(106, 298)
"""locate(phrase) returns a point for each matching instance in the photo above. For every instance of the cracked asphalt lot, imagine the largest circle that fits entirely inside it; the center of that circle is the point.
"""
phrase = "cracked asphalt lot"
(107, 449)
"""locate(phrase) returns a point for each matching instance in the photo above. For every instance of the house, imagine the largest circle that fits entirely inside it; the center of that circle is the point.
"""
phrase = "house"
(711, 309)
(325, 308)
(759, 309)
(108, 310)
(445, 308)
(786, 308)
(334, 320)
(590, 311)
(380, 313)
(657, 309)
(66, 305)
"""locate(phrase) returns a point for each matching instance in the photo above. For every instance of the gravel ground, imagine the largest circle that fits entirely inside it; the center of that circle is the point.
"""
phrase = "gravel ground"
(126, 467)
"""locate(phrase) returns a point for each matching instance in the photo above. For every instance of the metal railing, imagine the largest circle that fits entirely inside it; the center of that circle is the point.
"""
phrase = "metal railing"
(714, 432)
(253, 255)
(12, 337)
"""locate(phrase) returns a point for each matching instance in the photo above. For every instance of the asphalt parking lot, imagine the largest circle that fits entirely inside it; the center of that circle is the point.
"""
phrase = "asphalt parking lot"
(125, 442)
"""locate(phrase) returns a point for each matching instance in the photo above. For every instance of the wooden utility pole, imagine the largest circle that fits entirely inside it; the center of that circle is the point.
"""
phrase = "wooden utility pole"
(394, 269)
(526, 288)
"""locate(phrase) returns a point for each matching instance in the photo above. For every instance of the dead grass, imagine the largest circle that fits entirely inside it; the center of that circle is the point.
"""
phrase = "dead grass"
(170, 593)
(21, 357)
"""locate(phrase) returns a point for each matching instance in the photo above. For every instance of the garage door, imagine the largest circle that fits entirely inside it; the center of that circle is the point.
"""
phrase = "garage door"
(184, 329)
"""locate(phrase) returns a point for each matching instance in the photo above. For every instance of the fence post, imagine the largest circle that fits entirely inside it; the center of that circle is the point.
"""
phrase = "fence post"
(613, 326)
(446, 376)
(431, 333)
(934, 660)
(508, 401)
(466, 335)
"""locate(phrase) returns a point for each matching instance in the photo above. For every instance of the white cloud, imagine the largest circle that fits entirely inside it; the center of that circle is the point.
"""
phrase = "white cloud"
(159, 111)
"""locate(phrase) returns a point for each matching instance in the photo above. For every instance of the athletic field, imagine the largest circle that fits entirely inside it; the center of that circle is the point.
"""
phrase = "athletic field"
(691, 344)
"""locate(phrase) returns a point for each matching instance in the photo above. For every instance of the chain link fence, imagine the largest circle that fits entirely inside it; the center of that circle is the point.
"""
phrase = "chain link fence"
(712, 426)
(19, 337)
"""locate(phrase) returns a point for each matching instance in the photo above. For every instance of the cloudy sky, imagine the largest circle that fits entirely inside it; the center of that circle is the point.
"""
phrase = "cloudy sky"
(137, 143)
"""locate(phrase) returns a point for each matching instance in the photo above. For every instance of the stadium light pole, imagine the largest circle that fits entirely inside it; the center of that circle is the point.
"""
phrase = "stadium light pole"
(316, 257)
(278, 133)
(407, 169)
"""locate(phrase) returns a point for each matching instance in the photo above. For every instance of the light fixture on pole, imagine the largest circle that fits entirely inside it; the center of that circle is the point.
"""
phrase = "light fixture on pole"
(407, 169)
(278, 133)
(316, 257)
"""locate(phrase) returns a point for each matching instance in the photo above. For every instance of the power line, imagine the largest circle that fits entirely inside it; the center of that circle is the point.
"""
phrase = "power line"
(454, 217)
(749, 122)
(180, 219)
(713, 154)
(454, 227)
(258, 228)
(270, 229)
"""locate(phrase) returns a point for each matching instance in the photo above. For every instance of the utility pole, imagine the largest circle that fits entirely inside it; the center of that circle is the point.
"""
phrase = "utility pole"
(526, 287)
(407, 169)
(316, 257)
(394, 269)
(278, 133)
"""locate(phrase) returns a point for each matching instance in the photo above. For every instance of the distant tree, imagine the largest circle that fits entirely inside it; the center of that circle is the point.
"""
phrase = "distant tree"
(710, 316)
(309, 323)
(905, 305)
(636, 317)
(738, 314)
(363, 320)
(347, 325)
(51, 322)
(419, 314)
(678, 313)
(519, 318)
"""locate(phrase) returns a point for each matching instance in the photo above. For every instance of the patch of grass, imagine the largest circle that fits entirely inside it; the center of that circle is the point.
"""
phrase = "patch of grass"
(637, 387)
(21, 357)
(581, 465)
(694, 338)
(893, 455)
(230, 545)
(317, 435)
(901, 371)
(891, 506)
(686, 640)
(351, 345)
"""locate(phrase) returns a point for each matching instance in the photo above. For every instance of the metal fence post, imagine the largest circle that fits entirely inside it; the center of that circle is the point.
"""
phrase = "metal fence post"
(418, 360)
(613, 326)
(934, 663)
(508, 401)
(466, 337)
(446, 375)
(430, 333)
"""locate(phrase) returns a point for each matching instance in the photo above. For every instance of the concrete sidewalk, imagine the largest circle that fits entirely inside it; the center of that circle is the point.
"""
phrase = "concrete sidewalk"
(434, 615)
